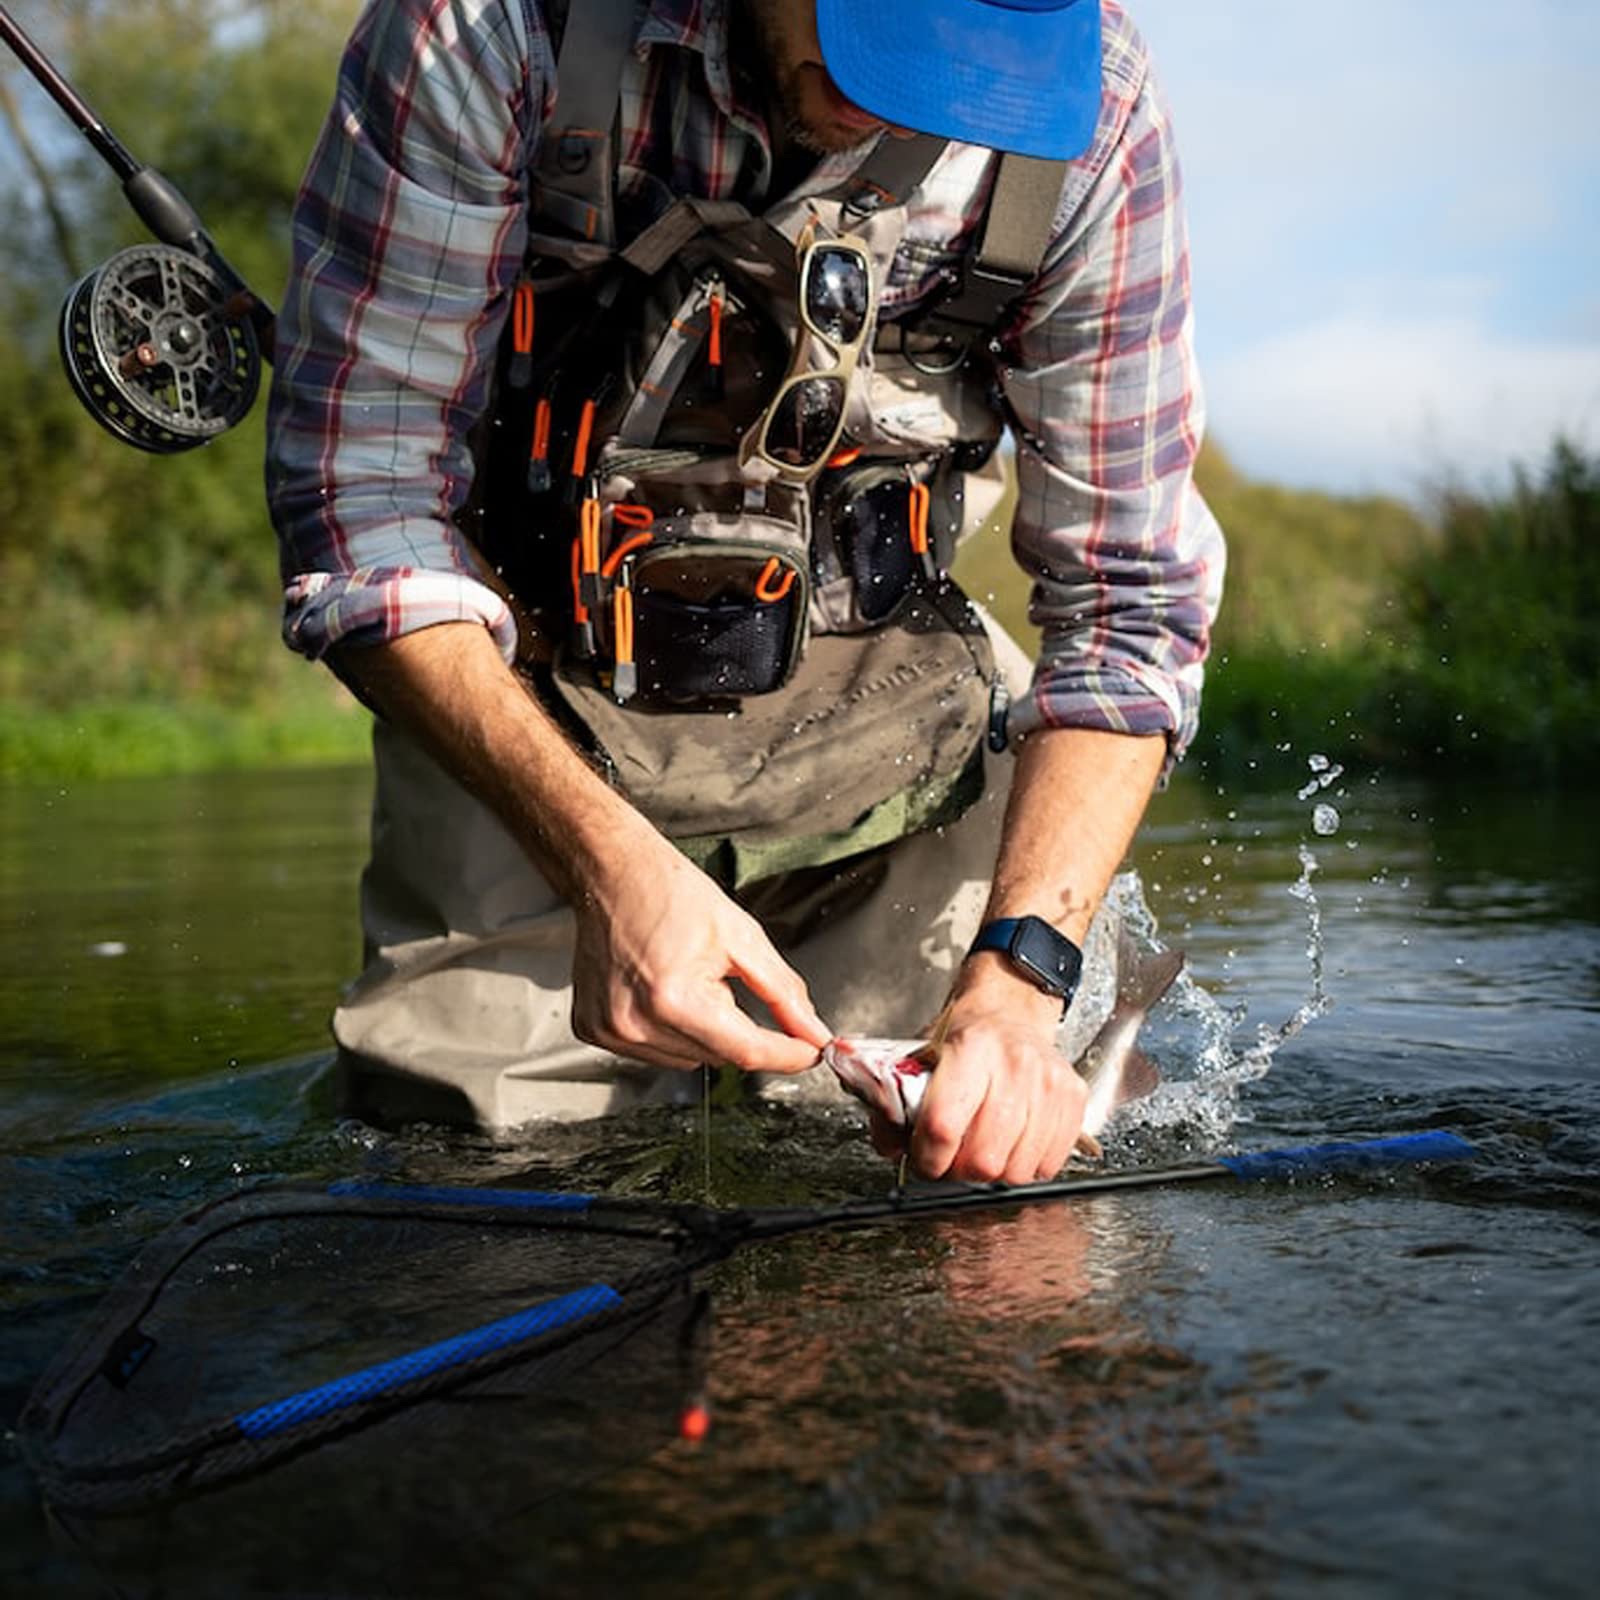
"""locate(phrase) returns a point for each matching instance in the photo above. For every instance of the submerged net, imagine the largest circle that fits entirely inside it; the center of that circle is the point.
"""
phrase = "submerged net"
(428, 1366)
(271, 1323)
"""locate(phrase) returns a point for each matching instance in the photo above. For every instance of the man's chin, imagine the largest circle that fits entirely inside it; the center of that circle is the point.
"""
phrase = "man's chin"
(829, 138)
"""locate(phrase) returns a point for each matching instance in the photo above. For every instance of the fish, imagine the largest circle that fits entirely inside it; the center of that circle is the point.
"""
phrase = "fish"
(891, 1076)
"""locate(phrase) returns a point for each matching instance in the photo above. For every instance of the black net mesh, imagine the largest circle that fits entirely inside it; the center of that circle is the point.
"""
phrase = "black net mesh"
(872, 529)
(262, 1337)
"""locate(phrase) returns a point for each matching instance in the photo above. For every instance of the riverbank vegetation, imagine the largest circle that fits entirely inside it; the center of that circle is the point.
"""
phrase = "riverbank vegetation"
(139, 624)
(1460, 635)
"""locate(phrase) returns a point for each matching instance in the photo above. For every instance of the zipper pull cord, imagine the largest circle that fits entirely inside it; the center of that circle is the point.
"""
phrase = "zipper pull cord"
(766, 591)
(917, 510)
(539, 474)
(624, 674)
(521, 371)
(585, 439)
(714, 311)
(582, 626)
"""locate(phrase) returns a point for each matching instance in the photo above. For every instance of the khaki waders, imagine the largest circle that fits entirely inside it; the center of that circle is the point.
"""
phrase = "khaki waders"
(463, 1014)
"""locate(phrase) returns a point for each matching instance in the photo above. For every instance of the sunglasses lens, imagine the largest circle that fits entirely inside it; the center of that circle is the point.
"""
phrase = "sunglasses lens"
(805, 422)
(836, 291)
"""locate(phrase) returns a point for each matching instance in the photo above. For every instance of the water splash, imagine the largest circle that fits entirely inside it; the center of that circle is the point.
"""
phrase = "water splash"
(1203, 1107)
(1324, 774)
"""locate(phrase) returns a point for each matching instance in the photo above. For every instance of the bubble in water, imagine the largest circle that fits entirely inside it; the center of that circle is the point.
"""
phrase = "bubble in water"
(1325, 820)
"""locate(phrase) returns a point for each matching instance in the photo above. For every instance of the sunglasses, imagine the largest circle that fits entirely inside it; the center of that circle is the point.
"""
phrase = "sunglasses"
(799, 430)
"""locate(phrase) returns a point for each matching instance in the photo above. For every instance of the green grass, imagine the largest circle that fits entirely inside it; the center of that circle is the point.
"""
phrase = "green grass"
(132, 738)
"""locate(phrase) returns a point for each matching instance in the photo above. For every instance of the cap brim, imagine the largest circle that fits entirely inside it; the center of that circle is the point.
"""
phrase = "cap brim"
(1014, 79)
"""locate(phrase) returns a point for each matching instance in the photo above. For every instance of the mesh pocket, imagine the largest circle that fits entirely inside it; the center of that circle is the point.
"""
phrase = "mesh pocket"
(697, 620)
(732, 645)
(873, 533)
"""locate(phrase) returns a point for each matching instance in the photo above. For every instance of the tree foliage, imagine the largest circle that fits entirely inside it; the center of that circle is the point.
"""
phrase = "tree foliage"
(101, 545)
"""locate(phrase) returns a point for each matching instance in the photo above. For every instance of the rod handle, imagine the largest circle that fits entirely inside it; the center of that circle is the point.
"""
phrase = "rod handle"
(1345, 1156)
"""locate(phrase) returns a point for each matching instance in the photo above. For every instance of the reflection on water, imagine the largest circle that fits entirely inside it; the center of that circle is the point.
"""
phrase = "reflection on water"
(1359, 1387)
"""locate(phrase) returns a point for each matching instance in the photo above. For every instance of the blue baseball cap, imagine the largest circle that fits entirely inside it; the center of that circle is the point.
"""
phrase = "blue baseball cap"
(1021, 75)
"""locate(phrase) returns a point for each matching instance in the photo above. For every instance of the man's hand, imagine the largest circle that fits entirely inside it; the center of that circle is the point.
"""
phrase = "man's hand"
(657, 939)
(657, 945)
(1003, 1102)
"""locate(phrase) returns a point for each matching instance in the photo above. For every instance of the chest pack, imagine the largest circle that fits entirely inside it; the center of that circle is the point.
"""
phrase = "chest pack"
(774, 666)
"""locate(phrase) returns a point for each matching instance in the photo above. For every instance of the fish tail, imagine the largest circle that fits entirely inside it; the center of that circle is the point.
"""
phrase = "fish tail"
(1143, 976)
(1140, 1077)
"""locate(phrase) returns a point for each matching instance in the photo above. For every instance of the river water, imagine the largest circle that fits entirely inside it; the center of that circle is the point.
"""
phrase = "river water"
(1365, 1386)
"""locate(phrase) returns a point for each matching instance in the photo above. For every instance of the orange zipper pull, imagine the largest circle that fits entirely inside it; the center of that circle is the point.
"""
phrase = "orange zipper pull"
(918, 512)
(539, 448)
(765, 590)
(624, 674)
(637, 542)
(580, 448)
(580, 445)
(521, 372)
(583, 628)
(714, 311)
(589, 551)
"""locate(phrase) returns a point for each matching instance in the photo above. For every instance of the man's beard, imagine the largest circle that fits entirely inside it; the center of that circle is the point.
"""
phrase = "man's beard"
(785, 85)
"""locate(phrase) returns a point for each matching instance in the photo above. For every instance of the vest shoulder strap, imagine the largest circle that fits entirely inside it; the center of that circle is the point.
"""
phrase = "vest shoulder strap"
(888, 176)
(1013, 238)
(578, 157)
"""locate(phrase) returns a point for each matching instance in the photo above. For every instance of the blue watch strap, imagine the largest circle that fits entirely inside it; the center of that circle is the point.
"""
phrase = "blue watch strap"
(1037, 950)
(997, 935)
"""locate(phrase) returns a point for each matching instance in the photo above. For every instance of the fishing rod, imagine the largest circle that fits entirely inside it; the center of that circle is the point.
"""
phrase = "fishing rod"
(565, 1285)
(163, 343)
(911, 1201)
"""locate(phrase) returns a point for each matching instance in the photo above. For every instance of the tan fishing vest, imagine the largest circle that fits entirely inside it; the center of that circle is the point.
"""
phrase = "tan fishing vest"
(777, 674)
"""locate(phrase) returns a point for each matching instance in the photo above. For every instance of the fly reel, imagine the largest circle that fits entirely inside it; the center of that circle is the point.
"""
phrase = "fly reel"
(160, 349)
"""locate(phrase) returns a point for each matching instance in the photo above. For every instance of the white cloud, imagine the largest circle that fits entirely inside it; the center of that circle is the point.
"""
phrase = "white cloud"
(1395, 402)
(1394, 220)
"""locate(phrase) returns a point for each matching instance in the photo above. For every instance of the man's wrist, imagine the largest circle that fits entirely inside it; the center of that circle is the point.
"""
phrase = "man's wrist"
(1035, 949)
(988, 982)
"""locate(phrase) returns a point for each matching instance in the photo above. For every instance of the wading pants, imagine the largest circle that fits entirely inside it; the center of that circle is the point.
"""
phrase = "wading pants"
(463, 1014)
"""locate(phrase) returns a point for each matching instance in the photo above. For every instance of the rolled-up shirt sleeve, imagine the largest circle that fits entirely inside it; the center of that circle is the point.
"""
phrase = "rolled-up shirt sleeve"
(408, 233)
(1126, 559)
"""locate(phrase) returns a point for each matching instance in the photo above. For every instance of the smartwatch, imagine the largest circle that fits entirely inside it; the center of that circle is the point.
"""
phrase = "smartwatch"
(1037, 951)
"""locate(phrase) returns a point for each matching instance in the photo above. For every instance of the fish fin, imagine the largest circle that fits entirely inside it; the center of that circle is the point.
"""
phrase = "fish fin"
(1140, 1077)
(1143, 976)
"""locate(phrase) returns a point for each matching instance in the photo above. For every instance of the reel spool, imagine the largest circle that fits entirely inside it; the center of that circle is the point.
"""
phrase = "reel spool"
(160, 350)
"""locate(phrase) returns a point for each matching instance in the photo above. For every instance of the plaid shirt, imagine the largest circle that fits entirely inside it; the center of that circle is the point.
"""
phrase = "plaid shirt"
(410, 229)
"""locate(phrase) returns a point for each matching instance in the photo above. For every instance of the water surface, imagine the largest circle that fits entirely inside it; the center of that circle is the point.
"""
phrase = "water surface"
(1350, 1387)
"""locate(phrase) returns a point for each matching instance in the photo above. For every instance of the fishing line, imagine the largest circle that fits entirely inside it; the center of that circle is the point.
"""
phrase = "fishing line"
(289, 1319)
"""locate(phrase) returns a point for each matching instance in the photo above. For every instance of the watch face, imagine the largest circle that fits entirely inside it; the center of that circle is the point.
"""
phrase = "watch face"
(1053, 959)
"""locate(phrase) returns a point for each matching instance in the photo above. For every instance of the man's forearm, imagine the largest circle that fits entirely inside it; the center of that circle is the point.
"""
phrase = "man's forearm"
(1077, 797)
(449, 687)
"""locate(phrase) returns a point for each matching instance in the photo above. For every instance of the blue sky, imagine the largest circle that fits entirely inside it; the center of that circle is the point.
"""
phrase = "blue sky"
(1395, 222)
